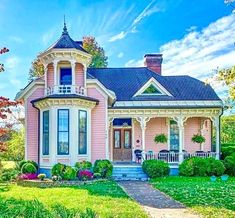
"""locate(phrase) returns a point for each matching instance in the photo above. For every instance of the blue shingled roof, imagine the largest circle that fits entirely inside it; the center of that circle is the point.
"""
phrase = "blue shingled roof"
(65, 41)
(125, 82)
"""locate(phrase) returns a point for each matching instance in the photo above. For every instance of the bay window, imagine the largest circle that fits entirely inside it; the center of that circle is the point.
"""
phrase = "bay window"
(63, 132)
(45, 133)
(82, 132)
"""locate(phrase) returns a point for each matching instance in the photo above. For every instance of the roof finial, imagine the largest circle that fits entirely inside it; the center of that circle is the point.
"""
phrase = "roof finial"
(65, 31)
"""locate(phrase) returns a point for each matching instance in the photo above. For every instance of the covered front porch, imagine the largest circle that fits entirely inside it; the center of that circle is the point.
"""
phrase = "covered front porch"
(132, 132)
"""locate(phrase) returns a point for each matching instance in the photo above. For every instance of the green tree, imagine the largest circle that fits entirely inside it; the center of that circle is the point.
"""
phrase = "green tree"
(98, 54)
(15, 146)
(228, 129)
(36, 70)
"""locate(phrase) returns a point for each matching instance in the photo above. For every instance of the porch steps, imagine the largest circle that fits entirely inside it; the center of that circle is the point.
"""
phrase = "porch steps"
(128, 172)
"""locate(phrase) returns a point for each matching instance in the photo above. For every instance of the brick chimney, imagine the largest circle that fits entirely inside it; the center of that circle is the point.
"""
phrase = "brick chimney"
(153, 62)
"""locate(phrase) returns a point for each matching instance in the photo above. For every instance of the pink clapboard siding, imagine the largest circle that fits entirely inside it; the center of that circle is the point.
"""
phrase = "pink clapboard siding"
(32, 126)
(79, 75)
(50, 75)
(193, 126)
(159, 125)
(98, 126)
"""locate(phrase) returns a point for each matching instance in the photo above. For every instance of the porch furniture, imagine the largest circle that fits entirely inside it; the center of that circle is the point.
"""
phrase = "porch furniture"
(138, 155)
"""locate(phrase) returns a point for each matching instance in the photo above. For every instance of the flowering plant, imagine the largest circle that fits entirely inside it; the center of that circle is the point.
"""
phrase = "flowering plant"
(27, 176)
(42, 176)
(85, 175)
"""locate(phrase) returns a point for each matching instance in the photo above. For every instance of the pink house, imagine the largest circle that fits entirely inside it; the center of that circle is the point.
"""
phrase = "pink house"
(77, 113)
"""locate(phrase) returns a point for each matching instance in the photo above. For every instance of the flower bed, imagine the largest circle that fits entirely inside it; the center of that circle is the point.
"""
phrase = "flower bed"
(47, 183)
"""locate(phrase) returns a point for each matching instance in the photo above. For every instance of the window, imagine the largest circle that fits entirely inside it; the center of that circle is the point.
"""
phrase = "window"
(82, 132)
(65, 76)
(117, 138)
(45, 133)
(63, 132)
(174, 135)
(127, 139)
(151, 90)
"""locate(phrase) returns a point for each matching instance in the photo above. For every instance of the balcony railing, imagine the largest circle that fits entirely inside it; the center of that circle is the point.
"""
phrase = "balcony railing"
(173, 157)
(65, 89)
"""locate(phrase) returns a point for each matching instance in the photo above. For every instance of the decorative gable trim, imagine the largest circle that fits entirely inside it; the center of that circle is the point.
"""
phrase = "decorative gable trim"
(156, 84)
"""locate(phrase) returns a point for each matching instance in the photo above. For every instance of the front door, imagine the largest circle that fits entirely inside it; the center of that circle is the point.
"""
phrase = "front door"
(122, 145)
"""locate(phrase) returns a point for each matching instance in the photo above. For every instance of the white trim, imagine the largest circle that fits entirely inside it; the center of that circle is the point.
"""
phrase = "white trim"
(152, 81)
(26, 132)
(168, 103)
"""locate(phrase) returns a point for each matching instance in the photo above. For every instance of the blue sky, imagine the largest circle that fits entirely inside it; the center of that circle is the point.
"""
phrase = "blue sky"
(195, 37)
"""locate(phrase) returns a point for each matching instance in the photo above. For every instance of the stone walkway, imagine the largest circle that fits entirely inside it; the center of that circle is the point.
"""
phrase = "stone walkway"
(155, 203)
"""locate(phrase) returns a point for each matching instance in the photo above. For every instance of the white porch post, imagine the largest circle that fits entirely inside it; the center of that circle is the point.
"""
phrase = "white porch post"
(55, 76)
(45, 78)
(216, 122)
(180, 121)
(53, 135)
(73, 65)
(143, 121)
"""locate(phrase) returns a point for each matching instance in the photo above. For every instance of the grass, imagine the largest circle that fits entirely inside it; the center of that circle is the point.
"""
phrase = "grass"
(107, 199)
(211, 199)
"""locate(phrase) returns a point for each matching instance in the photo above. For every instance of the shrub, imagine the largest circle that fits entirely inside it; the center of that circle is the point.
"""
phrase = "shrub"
(28, 168)
(69, 173)
(58, 170)
(156, 168)
(227, 151)
(160, 138)
(84, 165)
(214, 167)
(104, 167)
(28, 176)
(197, 166)
(42, 176)
(85, 175)
(229, 163)
(8, 175)
(21, 163)
(97, 175)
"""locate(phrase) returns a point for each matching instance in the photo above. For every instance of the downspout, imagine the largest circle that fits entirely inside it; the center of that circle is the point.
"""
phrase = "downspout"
(220, 132)
(38, 133)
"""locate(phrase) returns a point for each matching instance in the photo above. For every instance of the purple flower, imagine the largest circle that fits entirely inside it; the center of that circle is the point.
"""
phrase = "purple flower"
(85, 175)
(27, 176)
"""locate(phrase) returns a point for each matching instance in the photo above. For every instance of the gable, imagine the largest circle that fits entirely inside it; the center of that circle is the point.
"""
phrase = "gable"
(152, 88)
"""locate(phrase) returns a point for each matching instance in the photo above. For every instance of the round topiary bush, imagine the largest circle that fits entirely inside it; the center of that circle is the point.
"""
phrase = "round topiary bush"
(21, 163)
(229, 163)
(197, 166)
(69, 173)
(83, 165)
(104, 167)
(28, 168)
(58, 170)
(33, 162)
(214, 167)
(155, 168)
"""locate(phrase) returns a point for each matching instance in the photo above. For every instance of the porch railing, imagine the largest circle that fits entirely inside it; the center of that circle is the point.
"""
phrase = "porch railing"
(174, 157)
(65, 89)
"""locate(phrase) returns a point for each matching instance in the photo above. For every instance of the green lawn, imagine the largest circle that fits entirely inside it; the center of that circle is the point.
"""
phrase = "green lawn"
(211, 199)
(107, 199)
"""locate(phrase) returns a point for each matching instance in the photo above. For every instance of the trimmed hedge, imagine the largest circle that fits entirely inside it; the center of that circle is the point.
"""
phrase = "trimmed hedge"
(227, 150)
(229, 163)
(197, 166)
(104, 168)
(58, 170)
(83, 165)
(155, 168)
(69, 173)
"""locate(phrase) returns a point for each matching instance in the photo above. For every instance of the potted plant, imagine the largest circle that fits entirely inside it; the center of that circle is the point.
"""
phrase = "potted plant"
(224, 177)
(160, 138)
(213, 178)
(42, 176)
(197, 138)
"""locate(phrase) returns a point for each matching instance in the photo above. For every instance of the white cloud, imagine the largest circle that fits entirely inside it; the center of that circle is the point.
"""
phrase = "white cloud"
(48, 36)
(120, 55)
(15, 82)
(134, 63)
(118, 36)
(150, 9)
(12, 62)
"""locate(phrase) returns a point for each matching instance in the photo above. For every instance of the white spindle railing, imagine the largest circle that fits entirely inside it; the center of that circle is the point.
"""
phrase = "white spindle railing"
(173, 157)
(65, 89)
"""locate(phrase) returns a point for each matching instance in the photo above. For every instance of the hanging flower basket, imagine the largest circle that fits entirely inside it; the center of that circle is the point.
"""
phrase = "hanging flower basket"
(160, 138)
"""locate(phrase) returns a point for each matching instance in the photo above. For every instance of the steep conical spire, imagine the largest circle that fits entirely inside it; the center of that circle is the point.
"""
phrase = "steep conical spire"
(65, 31)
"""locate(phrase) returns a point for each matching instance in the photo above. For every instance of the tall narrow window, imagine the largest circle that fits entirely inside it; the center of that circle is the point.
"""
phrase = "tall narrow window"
(63, 132)
(82, 132)
(45, 132)
(65, 76)
(174, 136)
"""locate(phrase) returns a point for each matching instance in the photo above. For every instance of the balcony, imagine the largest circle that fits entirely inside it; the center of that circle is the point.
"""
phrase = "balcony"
(65, 90)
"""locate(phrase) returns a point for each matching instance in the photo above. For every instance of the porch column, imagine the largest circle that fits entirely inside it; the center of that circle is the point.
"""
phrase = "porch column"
(216, 122)
(143, 121)
(55, 72)
(109, 136)
(45, 78)
(73, 65)
(180, 121)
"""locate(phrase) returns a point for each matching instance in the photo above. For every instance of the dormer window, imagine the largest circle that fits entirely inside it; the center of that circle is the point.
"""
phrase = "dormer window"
(151, 90)
(65, 76)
